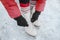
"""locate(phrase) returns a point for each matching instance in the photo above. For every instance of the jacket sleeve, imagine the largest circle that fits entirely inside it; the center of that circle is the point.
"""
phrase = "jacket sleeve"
(11, 8)
(40, 4)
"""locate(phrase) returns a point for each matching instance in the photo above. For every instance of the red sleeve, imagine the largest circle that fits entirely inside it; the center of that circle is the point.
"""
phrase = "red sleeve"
(11, 8)
(40, 4)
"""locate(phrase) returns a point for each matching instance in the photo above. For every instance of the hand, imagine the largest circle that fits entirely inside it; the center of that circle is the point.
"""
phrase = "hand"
(21, 21)
(35, 16)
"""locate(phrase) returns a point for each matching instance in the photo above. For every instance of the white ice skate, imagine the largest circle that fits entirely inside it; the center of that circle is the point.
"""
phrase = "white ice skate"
(30, 29)
(36, 23)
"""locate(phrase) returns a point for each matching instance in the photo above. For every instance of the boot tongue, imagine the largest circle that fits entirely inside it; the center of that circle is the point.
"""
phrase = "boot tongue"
(25, 9)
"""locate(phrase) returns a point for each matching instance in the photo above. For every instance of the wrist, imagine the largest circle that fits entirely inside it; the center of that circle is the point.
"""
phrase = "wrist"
(18, 18)
(38, 12)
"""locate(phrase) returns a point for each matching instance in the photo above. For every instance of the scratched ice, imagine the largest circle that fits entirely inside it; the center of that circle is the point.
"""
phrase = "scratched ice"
(49, 20)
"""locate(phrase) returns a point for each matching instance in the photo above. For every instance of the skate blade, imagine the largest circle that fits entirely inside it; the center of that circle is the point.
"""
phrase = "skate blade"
(37, 27)
(31, 35)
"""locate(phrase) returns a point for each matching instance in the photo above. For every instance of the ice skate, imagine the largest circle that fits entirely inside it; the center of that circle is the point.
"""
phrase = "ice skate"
(36, 23)
(31, 30)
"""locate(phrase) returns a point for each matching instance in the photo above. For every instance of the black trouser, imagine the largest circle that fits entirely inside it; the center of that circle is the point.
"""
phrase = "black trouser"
(24, 1)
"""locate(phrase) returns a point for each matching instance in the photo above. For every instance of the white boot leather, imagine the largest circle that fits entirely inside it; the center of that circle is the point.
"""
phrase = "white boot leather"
(36, 23)
(30, 29)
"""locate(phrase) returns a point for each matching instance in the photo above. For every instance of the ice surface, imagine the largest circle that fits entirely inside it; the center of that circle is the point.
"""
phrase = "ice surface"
(49, 20)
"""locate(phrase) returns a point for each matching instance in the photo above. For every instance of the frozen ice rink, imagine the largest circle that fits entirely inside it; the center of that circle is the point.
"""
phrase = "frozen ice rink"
(49, 20)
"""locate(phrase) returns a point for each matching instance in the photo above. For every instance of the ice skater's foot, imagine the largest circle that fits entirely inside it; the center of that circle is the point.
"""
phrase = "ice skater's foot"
(36, 24)
(31, 30)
